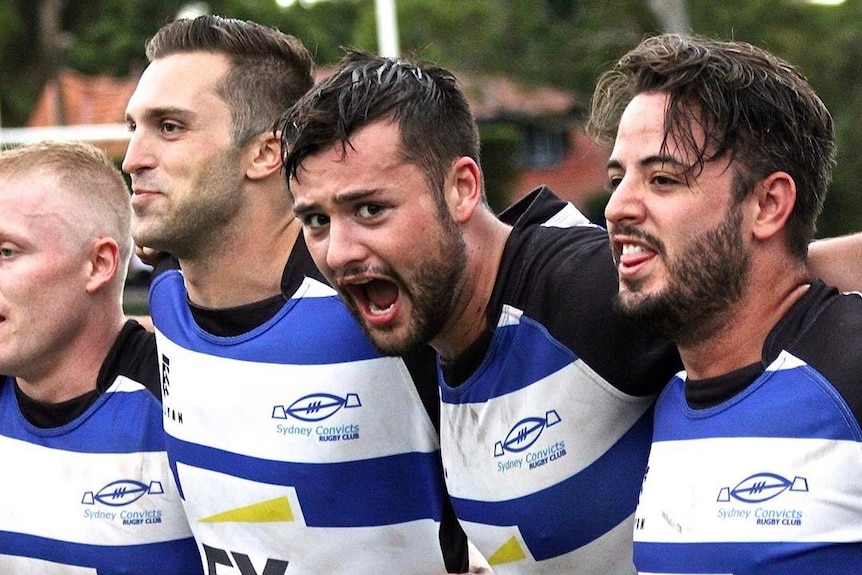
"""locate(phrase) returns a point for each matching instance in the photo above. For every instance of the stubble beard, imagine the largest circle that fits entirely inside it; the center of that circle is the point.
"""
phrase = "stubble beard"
(704, 282)
(193, 221)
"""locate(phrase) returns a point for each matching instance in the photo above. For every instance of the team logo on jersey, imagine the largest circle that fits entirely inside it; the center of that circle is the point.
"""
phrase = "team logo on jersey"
(525, 433)
(762, 487)
(122, 492)
(521, 438)
(316, 407)
(754, 491)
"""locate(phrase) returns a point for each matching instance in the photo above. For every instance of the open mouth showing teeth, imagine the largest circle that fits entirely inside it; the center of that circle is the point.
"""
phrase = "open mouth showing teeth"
(376, 297)
(633, 258)
(629, 249)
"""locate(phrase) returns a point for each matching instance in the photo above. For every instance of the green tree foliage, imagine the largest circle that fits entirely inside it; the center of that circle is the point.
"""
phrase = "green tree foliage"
(499, 150)
(20, 55)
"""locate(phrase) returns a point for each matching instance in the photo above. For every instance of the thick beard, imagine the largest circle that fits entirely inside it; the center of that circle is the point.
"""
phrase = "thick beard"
(432, 291)
(705, 281)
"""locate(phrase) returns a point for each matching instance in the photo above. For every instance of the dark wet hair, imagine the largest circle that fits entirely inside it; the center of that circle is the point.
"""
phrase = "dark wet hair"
(424, 100)
(753, 108)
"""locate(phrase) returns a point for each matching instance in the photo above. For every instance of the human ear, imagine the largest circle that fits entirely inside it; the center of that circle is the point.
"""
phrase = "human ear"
(463, 189)
(264, 153)
(103, 263)
(776, 196)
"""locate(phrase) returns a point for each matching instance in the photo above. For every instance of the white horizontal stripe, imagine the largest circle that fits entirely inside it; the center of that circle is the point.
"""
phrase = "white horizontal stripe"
(687, 494)
(37, 503)
(593, 415)
(229, 404)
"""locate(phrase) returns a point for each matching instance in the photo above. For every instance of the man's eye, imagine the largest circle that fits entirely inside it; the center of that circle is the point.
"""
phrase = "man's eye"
(315, 221)
(170, 127)
(7, 252)
(664, 180)
(368, 210)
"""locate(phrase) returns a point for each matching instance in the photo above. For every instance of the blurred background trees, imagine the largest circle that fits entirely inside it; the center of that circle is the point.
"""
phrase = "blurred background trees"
(563, 43)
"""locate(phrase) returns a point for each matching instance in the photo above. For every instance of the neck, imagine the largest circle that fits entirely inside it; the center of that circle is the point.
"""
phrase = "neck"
(740, 333)
(486, 240)
(245, 264)
(73, 369)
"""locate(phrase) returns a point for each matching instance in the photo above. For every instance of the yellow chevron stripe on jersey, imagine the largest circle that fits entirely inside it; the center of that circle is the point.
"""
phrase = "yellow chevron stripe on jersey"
(509, 552)
(273, 510)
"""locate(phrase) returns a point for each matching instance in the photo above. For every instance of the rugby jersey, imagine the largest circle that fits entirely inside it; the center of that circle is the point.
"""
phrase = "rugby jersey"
(546, 434)
(764, 478)
(94, 495)
(297, 447)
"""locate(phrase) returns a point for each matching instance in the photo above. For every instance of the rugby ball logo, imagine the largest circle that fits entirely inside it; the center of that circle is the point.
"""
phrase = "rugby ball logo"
(122, 492)
(316, 406)
(762, 487)
(525, 433)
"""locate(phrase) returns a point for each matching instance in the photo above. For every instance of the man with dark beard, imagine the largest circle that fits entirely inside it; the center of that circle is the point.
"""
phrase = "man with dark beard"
(720, 165)
(546, 393)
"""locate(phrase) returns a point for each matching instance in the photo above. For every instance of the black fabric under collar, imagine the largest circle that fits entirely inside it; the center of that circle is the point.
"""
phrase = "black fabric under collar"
(133, 354)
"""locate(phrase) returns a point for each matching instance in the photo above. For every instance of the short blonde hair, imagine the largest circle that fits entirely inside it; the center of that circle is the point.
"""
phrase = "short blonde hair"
(87, 173)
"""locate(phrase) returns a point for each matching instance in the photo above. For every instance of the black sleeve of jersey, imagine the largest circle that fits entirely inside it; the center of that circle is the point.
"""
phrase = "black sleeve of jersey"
(573, 283)
(422, 365)
(133, 355)
(832, 341)
(632, 359)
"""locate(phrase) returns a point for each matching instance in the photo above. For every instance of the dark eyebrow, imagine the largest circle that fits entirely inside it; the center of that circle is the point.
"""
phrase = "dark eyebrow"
(340, 199)
(166, 111)
(650, 161)
(300, 211)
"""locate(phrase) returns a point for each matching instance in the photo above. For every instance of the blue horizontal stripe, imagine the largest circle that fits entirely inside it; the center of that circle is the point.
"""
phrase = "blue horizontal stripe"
(790, 403)
(765, 558)
(371, 492)
(578, 510)
(519, 355)
(135, 425)
(174, 557)
(313, 330)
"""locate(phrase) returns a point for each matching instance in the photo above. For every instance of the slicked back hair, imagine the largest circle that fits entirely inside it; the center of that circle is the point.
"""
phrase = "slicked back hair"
(269, 70)
(423, 100)
(753, 108)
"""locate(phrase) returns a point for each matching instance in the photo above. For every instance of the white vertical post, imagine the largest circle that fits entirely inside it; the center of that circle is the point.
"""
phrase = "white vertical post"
(387, 28)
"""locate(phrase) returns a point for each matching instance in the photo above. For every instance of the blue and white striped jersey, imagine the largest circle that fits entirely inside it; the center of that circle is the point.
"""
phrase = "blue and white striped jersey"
(297, 447)
(94, 495)
(545, 439)
(765, 477)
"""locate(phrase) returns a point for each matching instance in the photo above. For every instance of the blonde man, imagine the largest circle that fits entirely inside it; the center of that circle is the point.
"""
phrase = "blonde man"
(80, 401)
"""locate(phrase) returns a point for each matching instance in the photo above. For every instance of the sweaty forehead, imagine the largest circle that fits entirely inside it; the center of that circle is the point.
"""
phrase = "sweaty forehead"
(641, 132)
